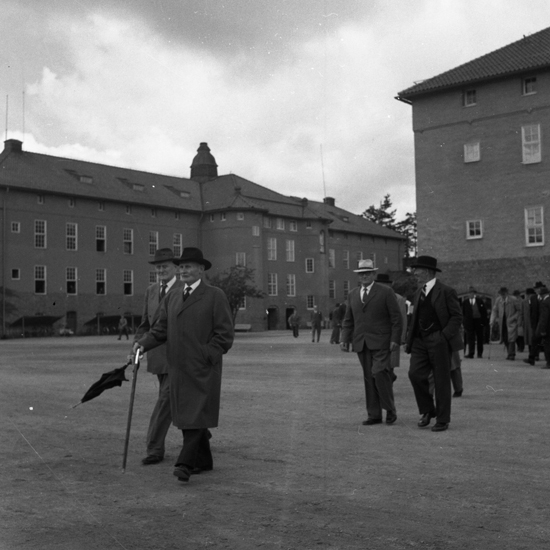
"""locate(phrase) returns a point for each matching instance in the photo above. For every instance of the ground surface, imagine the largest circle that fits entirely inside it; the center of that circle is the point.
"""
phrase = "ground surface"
(294, 467)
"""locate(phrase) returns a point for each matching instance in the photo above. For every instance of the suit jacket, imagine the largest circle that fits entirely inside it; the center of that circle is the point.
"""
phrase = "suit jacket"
(468, 312)
(157, 362)
(543, 326)
(376, 323)
(197, 333)
(447, 308)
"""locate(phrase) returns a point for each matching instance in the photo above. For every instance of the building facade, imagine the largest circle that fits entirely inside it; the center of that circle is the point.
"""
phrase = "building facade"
(483, 167)
(77, 238)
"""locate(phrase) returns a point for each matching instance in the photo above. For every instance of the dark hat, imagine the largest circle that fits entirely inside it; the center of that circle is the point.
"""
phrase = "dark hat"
(503, 290)
(539, 284)
(365, 266)
(162, 255)
(192, 254)
(427, 262)
(472, 289)
(382, 278)
(516, 293)
(543, 290)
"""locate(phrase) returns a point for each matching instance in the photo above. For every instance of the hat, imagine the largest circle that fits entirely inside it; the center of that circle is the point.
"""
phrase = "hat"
(539, 284)
(162, 255)
(426, 261)
(191, 254)
(472, 289)
(364, 266)
(503, 290)
(382, 278)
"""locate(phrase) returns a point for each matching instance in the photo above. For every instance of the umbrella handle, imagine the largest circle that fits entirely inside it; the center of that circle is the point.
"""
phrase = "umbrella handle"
(130, 410)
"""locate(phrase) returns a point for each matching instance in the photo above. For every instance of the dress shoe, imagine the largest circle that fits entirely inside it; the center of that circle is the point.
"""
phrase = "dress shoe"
(182, 473)
(529, 361)
(391, 417)
(468, 356)
(425, 420)
(457, 393)
(510, 358)
(372, 421)
(440, 427)
(151, 459)
(197, 470)
(480, 356)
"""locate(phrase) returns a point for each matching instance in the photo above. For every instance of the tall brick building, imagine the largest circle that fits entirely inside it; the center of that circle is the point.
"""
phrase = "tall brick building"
(483, 167)
(77, 236)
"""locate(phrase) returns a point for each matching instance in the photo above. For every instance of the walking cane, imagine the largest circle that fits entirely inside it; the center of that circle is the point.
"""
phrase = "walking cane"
(130, 410)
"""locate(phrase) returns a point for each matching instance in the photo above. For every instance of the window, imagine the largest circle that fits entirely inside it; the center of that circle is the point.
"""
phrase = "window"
(331, 257)
(530, 138)
(471, 152)
(529, 85)
(474, 229)
(267, 222)
(240, 258)
(290, 256)
(222, 217)
(242, 305)
(359, 256)
(255, 230)
(153, 212)
(469, 98)
(308, 224)
(101, 281)
(128, 282)
(310, 301)
(322, 242)
(534, 226)
(40, 199)
(272, 284)
(71, 234)
(71, 203)
(280, 223)
(291, 284)
(15, 274)
(40, 234)
(128, 209)
(271, 248)
(212, 217)
(40, 279)
(70, 277)
(101, 206)
(152, 277)
(240, 216)
(332, 289)
(310, 265)
(15, 227)
(345, 259)
(346, 289)
(176, 215)
(153, 242)
(293, 225)
(177, 244)
(128, 241)
(100, 238)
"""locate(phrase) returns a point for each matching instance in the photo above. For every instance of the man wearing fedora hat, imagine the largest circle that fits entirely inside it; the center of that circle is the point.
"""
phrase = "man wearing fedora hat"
(373, 324)
(474, 315)
(157, 361)
(196, 323)
(434, 334)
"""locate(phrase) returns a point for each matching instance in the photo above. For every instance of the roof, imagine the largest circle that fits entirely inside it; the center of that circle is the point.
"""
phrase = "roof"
(530, 53)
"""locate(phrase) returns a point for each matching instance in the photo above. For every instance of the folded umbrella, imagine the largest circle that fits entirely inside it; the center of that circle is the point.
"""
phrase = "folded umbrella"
(108, 380)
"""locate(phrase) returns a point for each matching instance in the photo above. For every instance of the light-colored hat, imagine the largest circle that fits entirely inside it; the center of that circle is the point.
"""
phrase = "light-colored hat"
(364, 266)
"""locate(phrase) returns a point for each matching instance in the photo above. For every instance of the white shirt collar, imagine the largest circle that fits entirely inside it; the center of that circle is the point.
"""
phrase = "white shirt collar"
(193, 287)
(430, 284)
(170, 283)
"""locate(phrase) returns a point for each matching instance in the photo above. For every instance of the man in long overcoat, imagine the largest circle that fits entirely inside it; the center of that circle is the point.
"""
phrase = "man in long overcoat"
(474, 314)
(197, 326)
(157, 362)
(509, 314)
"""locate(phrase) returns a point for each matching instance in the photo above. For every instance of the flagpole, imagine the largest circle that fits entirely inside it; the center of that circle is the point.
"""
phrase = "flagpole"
(130, 410)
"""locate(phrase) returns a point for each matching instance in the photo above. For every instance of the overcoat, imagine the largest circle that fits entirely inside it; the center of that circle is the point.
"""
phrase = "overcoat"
(157, 362)
(197, 333)
(449, 313)
(514, 316)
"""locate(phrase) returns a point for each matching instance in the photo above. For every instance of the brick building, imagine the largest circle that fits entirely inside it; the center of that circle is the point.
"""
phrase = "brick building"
(77, 237)
(483, 167)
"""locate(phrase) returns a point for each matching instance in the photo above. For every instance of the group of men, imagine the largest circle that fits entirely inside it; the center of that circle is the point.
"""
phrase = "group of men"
(186, 327)
(374, 325)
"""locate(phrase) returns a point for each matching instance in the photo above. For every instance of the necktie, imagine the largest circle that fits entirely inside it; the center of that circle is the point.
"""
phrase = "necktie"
(162, 291)
(423, 294)
(364, 293)
(186, 293)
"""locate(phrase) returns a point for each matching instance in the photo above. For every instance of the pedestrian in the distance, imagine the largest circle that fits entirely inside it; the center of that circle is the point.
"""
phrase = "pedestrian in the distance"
(316, 318)
(294, 323)
(122, 327)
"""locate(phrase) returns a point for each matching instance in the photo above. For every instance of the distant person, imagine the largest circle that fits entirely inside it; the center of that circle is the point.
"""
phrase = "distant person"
(336, 324)
(316, 318)
(543, 327)
(508, 312)
(294, 322)
(520, 341)
(374, 325)
(157, 360)
(474, 319)
(122, 327)
(531, 321)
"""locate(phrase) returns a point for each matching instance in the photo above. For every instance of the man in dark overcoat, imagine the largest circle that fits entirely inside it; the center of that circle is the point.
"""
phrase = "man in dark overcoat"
(434, 334)
(475, 318)
(157, 362)
(197, 326)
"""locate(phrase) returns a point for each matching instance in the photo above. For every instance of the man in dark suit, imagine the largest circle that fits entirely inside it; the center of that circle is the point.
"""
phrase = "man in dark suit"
(434, 334)
(157, 362)
(474, 314)
(197, 326)
(373, 323)
(534, 301)
(543, 327)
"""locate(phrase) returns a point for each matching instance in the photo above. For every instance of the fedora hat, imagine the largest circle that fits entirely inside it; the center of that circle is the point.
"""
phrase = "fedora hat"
(194, 255)
(539, 284)
(427, 262)
(364, 266)
(162, 255)
(383, 278)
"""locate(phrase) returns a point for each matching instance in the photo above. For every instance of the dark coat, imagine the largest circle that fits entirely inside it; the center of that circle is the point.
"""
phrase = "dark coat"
(468, 314)
(377, 322)
(448, 311)
(197, 333)
(157, 362)
(543, 327)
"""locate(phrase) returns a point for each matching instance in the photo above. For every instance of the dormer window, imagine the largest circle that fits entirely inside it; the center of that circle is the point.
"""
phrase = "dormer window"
(86, 179)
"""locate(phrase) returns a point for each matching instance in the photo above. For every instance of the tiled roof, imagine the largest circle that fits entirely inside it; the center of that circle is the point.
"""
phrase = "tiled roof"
(530, 53)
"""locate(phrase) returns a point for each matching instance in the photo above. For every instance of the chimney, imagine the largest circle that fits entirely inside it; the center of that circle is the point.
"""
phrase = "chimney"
(330, 201)
(13, 146)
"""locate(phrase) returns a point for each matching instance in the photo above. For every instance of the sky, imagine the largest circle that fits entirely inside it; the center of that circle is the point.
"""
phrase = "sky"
(295, 95)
